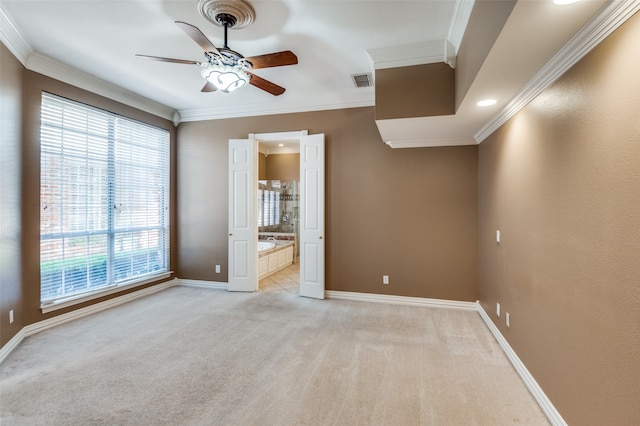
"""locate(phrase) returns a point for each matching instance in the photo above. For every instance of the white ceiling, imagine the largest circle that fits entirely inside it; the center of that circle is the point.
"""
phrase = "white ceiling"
(92, 43)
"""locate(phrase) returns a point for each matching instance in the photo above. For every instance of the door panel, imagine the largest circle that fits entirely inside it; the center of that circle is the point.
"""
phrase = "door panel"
(312, 244)
(243, 235)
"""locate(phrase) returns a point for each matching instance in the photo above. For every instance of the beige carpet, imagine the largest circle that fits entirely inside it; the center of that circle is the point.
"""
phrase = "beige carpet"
(194, 356)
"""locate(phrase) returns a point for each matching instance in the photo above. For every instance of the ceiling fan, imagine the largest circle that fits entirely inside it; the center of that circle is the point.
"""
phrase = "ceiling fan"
(227, 70)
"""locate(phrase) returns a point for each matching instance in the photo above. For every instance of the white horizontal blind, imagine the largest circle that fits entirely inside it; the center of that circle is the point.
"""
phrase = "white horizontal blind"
(260, 207)
(103, 199)
(268, 207)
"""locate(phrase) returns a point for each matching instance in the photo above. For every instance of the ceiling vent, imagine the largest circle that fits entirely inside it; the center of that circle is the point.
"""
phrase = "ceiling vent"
(362, 80)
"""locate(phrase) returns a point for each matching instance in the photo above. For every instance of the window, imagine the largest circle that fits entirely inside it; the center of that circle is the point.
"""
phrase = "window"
(104, 191)
(269, 204)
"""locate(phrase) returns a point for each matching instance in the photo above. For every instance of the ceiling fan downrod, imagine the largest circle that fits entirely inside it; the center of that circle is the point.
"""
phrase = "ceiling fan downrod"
(227, 21)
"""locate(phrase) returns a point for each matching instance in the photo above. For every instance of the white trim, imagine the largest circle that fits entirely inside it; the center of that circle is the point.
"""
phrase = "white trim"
(592, 34)
(203, 284)
(536, 391)
(11, 37)
(278, 136)
(365, 98)
(15, 341)
(422, 143)
(55, 69)
(427, 52)
(461, 14)
(401, 300)
(39, 326)
(50, 67)
(86, 297)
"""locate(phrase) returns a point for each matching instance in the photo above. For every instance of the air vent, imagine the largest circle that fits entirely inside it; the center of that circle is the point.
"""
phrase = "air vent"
(362, 80)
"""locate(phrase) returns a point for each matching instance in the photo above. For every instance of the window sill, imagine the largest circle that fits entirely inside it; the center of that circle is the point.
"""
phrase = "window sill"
(85, 297)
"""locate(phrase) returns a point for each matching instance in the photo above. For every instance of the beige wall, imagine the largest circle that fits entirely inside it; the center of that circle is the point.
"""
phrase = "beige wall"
(21, 280)
(262, 166)
(283, 167)
(278, 166)
(11, 75)
(416, 91)
(561, 180)
(410, 214)
(485, 23)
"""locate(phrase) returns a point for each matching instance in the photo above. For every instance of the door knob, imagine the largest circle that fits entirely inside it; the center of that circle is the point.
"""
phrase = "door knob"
(231, 235)
(320, 236)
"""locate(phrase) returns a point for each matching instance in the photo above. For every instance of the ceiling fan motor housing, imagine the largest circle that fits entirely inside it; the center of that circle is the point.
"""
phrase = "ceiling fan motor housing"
(226, 20)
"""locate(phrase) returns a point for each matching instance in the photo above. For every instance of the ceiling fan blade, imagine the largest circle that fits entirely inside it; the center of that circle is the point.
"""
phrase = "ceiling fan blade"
(266, 85)
(161, 59)
(209, 87)
(198, 36)
(277, 59)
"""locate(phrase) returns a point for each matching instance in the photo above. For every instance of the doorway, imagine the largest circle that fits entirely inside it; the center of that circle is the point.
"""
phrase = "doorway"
(243, 208)
(278, 215)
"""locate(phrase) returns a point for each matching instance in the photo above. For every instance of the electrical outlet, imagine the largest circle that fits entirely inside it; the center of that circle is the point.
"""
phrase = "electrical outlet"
(385, 279)
(11, 316)
(506, 317)
(498, 310)
(217, 269)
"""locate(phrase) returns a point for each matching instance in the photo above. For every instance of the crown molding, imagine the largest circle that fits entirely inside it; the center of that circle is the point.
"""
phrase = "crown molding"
(365, 98)
(11, 37)
(592, 34)
(37, 62)
(461, 14)
(427, 52)
(55, 69)
(425, 143)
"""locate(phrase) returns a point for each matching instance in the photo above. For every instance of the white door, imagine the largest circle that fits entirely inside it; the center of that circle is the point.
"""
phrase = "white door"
(243, 234)
(312, 216)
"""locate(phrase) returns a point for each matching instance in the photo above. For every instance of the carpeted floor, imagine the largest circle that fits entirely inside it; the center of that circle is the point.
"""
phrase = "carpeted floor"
(195, 356)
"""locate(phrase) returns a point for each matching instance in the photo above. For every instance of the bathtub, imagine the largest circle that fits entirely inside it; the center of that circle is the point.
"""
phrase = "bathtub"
(265, 246)
(273, 257)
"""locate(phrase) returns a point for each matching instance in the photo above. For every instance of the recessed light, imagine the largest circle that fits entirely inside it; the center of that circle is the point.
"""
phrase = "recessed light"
(565, 2)
(486, 102)
(280, 144)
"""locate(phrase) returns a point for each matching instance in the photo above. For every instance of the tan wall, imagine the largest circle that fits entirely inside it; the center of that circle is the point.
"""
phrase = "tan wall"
(262, 166)
(415, 91)
(485, 23)
(561, 180)
(28, 296)
(410, 214)
(283, 167)
(11, 75)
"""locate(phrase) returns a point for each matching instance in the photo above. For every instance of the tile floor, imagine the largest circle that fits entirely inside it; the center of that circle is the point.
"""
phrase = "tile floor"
(286, 280)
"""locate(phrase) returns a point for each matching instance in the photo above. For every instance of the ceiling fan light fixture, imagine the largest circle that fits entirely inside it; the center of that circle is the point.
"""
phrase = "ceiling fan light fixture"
(226, 78)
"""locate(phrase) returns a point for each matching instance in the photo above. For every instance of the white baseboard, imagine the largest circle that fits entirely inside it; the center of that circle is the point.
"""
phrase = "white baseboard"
(203, 284)
(401, 300)
(39, 326)
(536, 391)
(15, 341)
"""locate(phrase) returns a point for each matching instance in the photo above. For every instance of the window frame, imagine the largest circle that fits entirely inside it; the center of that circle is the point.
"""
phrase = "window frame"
(161, 226)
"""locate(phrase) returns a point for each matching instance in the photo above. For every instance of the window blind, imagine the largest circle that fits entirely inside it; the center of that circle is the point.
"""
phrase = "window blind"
(268, 207)
(104, 194)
